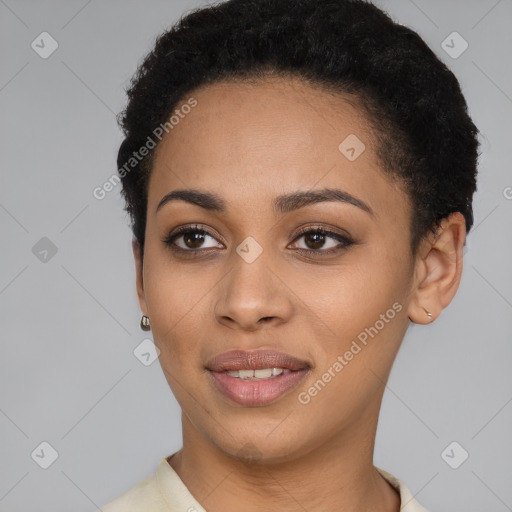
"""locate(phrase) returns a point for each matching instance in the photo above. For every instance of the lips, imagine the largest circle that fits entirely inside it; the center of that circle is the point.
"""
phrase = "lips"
(255, 360)
(287, 373)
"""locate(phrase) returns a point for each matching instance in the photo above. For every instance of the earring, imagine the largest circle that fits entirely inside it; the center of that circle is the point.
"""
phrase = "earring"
(429, 314)
(144, 323)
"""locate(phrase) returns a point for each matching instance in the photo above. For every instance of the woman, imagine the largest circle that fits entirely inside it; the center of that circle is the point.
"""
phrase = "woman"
(299, 176)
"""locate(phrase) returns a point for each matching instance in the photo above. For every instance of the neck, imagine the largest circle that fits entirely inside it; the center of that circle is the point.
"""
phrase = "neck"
(337, 475)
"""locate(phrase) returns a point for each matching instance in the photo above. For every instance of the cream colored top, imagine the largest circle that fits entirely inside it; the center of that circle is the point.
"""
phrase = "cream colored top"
(164, 491)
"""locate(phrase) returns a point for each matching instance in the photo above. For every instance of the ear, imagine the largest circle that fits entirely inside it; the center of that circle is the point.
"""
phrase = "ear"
(438, 270)
(139, 275)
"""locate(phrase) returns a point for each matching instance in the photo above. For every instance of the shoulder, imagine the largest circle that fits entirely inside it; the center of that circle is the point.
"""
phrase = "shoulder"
(162, 492)
(408, 502)
(142, 496)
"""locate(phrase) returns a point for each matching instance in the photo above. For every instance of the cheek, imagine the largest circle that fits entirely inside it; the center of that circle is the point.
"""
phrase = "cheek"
(369, 323)
(177, 304)
(354, 294)
(363, 305)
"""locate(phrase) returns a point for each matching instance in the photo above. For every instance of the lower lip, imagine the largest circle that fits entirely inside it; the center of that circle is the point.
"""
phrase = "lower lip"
(255, 393)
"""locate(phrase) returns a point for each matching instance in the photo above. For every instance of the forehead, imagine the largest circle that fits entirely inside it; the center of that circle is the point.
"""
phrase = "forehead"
(247, 140)
(270, 117)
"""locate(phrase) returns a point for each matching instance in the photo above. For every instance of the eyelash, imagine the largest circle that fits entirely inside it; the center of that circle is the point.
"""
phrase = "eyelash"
(344, 240)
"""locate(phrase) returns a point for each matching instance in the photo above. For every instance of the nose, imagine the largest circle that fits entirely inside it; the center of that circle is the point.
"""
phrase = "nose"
(253, 295)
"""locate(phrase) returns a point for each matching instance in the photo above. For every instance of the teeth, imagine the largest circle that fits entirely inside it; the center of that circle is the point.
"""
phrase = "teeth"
(245, 374)
(263, 373)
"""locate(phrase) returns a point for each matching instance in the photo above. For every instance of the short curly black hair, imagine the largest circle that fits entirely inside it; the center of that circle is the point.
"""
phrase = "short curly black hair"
(414, 103)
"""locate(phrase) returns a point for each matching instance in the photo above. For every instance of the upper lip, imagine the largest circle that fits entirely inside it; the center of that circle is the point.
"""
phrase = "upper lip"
(254, 360)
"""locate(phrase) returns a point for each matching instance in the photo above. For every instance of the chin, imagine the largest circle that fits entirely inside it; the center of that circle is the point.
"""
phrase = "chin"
(262, 448)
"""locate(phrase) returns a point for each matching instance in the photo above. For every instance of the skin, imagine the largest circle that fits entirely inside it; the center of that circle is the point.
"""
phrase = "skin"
(249, 143)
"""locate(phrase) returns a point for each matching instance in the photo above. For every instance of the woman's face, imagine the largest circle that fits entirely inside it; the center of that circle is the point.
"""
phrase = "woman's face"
(335, 302)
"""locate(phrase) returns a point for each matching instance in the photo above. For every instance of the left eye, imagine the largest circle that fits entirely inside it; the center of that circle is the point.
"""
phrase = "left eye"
(315, 239)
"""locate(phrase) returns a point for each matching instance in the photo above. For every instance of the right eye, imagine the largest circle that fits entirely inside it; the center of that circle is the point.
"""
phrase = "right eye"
(191, 238)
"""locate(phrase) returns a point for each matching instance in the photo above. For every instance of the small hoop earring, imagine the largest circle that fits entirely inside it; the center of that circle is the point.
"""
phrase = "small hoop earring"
(429, 314)
(144, 323)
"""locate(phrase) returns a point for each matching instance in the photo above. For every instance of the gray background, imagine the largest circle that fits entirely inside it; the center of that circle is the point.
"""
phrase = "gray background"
(69, 324)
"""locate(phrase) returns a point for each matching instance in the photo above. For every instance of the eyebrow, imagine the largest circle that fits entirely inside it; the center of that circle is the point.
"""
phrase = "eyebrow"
(282, 204)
